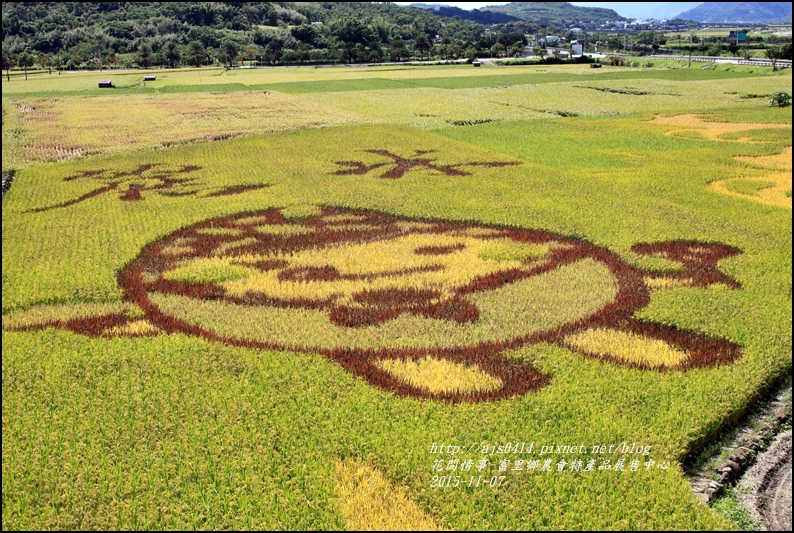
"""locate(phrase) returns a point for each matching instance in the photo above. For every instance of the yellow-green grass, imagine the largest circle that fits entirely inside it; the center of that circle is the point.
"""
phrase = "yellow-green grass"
(715, 130)
(133, 329)
(440, 376)
(383, 261)
(750, 187)
(50, 126)
(57, 129)
(521, 308)
(755, 70)
(280, 229)
(173, 431)
(712, 32)
(299, 211)
(207, 270)
(46, 314)
(429, 107)
(775, 187)
(87, 81)
(628, 347)
(369, 502)
(219, 231)
(82, 81)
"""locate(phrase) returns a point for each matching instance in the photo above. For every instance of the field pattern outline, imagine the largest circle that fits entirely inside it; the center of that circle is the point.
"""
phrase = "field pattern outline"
(258, 243)
(773, 188)
(150, 177)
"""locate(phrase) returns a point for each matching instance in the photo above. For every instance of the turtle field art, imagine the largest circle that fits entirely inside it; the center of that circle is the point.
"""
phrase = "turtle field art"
(422, 308)
(519, 297)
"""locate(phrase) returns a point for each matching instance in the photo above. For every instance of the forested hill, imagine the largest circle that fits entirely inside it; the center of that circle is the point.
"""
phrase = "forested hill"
(764, 12)
(474, 15)
(92, 34)
(556, 13)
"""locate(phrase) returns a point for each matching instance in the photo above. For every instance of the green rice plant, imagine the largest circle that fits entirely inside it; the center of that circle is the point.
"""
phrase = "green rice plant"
(748, 187)
(55, 128)
(206, 410)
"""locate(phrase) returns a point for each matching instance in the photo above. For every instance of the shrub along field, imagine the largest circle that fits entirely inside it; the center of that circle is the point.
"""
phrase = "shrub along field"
(272, 299)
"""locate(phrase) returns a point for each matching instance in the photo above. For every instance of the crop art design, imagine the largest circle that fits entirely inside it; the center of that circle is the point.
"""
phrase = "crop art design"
(399, 165)
(421, 308)
(771, 187)
(129, 186)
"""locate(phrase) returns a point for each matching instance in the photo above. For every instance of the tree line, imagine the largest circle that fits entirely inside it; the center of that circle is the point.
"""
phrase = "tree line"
(97, 35)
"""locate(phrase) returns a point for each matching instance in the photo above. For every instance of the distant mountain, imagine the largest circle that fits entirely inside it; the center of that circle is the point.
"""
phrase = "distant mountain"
(761, 12)
(475, 15)
(556, 13)
(644, 10)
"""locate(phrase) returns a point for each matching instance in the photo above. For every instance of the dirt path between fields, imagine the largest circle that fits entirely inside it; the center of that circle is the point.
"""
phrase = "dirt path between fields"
(756, 458)
(765, 489)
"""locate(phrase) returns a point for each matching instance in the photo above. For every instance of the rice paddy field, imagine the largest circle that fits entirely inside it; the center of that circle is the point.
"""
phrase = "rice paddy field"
(387, 297)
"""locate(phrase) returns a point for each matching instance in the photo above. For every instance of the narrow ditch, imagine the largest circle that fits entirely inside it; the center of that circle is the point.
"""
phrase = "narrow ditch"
(747, 465)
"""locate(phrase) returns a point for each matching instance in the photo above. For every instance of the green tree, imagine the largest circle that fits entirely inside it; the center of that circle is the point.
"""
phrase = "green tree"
(44, 62)
(55, 62)
(422, 44)
(780, 99)
(446, 48)
(171, 54)
(272, 52)
(251, 52)
(774, 53)
(229, 51)
(144, 57)
(398, 52)
(645, 37)
(517, 49)
(471, 54)
(497, 50)
(8, 62)
(715, 50)
(25, 60)
(195, 53)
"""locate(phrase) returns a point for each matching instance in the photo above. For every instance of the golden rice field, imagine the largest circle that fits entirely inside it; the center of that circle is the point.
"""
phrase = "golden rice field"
(387, 297)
